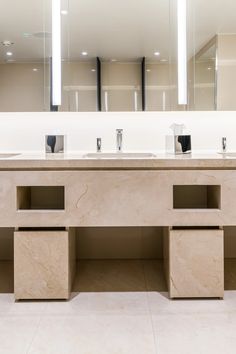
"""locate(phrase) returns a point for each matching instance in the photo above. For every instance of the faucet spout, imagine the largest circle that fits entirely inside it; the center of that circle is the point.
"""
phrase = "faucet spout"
(119, 139)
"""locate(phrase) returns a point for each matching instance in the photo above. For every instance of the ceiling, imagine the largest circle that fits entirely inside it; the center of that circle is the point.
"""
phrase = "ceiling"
(110, 29)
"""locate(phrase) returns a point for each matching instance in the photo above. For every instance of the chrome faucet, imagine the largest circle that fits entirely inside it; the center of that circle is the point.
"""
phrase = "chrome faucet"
(119, 140)
(224, 145)
(99, 144)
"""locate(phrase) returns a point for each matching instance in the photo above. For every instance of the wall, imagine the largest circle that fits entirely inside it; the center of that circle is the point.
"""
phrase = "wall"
(121, 86)
(226, 72)
(79, 92)
(24, 132)
(23, 87)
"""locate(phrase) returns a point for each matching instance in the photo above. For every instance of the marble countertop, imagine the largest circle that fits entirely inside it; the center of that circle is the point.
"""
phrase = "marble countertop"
(67, 161)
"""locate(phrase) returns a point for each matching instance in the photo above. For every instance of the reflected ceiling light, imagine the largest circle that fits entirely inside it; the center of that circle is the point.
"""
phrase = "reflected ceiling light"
(7, 43)
(113, 60)
(209, 68)
(84, 54)
(9, 54)
(93, 70)
(163, 60)
(148, 70)
(56, 52)
(182, 51)
(157, 54)
(64, 12)
(35, 69)
(26, 34)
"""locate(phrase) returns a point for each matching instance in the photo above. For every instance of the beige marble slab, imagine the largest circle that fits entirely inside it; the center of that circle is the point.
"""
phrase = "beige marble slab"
(43, 264)
(196, 263)
(119, 198)
(77, 161)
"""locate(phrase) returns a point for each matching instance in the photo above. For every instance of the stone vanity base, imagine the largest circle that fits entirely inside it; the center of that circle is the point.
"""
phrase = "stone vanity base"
(195, 262)
(44, 264)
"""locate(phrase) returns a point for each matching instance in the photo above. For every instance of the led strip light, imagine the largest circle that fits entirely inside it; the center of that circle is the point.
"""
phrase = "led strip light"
(182, 51)
(56, 52)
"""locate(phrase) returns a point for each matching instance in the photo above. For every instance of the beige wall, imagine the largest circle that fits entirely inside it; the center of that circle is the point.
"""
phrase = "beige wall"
(25, 90)
(158, 89)
(79, 87)
(120, 83)
(204, 86)
(22, 88)
(226, 72)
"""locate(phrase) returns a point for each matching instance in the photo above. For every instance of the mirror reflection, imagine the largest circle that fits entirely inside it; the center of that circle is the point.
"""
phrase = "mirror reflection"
(25, 46)
(117, 56)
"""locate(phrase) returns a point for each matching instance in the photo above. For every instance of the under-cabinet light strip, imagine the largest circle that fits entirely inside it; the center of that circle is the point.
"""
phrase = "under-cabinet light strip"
(182, 51)
(56, 52)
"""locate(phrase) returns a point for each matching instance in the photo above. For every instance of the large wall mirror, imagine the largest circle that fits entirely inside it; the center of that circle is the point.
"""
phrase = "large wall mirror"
(25, 49)
(117, 55)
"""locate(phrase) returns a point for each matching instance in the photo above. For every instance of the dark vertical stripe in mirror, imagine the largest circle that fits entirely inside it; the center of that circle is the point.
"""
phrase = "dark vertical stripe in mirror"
(143, 83)
(99, 86)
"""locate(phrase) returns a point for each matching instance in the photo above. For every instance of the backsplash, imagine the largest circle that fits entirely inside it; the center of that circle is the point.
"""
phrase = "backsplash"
(25, 132)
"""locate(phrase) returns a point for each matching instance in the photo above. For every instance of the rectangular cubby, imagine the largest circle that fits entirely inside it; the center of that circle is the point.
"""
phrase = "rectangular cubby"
(41, 198)
(196, 197)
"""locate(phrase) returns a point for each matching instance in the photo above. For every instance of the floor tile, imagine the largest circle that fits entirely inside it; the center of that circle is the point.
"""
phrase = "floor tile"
(94, 335)
(195, 333)
(109, 303)
(17, 333)
(159, 303)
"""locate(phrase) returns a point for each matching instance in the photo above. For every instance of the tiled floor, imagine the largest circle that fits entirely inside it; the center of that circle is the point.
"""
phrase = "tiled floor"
(118, 307)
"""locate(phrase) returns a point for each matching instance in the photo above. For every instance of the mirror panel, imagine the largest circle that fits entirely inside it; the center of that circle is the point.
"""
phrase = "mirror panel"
(214, 60)
(24, 55)
(120, 34)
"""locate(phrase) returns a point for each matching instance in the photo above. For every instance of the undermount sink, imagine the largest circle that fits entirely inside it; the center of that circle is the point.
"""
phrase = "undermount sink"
(7, 155)
(120, 155)
(228, 154)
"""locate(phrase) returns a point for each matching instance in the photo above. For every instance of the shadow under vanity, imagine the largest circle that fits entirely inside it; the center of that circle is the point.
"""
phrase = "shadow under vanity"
(168, 228)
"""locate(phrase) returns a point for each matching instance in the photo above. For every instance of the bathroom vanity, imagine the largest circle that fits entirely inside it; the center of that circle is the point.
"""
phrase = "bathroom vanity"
(44, 198)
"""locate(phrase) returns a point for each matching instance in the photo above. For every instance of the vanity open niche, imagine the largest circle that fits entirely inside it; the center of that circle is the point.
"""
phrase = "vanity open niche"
(40, 197)
(119, 259)
(196, 196)
(6, 260)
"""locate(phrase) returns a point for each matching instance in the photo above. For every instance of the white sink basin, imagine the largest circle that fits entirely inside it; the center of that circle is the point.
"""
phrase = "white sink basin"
(120, 155)
(7, 155)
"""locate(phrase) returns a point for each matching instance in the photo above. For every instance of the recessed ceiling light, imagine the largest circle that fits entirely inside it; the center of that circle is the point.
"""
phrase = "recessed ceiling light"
(209, 68)
(9, 54)
(26, 34)
(35, 69)
(163, 60)
(42, 35)
(148, 70)
(7, 43)
(84, 54)
(64, 12)
(157, 54)
(113, 60)
(93, 70)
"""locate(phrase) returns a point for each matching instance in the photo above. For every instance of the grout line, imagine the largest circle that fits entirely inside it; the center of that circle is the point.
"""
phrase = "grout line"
(149, 309)
(34, 335)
